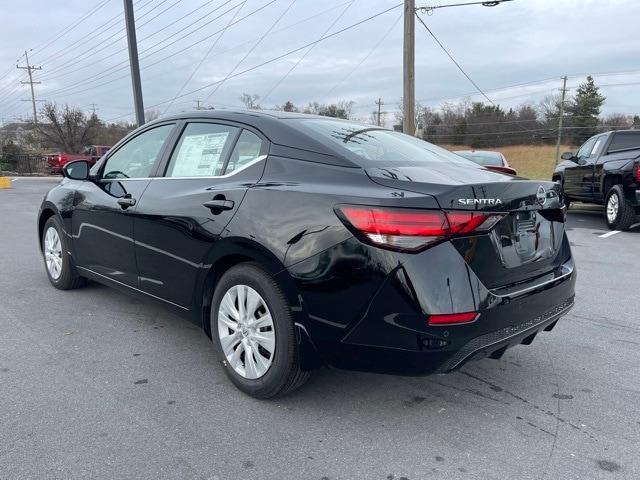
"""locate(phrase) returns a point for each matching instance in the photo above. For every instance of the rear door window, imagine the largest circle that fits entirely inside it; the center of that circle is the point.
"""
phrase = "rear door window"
(202, 150)
(247, 149)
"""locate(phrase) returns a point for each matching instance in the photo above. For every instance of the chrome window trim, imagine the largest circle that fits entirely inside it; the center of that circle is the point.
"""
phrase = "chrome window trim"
(259, 158)
(227, 175)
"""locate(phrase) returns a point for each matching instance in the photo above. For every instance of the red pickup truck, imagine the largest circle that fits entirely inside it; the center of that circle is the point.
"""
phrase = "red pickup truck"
(92, 153)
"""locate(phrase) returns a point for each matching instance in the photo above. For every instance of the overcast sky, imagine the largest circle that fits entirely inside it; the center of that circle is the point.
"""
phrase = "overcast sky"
(84, 57)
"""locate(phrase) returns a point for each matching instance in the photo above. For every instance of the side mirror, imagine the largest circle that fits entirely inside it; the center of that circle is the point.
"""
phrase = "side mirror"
(568, 156)
(76, 170)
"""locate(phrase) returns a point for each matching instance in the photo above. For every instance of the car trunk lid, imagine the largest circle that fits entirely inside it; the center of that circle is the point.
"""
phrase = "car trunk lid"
(527, 243)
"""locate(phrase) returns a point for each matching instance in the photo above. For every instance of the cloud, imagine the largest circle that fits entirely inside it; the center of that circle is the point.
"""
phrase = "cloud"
(517, 42)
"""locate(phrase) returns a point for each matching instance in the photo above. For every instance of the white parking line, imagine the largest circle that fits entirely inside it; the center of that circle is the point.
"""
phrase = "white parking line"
(13, 180)
(635, 225)
(608, 234)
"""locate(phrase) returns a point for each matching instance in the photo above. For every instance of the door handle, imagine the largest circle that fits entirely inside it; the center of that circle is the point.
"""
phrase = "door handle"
(126, 202)
(218, 205)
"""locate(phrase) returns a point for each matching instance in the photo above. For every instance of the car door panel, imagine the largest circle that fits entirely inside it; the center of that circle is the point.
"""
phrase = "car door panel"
(578, 177)
(102, 218)
(175, 231)
(103, 231)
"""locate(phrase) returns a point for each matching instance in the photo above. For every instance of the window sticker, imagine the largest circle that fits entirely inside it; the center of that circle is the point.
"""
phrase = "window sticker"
(199, 155)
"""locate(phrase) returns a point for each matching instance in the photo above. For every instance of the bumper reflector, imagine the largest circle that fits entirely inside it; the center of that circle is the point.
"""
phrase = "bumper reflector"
(452, 318)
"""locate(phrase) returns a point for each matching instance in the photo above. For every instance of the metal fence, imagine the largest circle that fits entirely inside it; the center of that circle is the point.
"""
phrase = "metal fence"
(24, 164)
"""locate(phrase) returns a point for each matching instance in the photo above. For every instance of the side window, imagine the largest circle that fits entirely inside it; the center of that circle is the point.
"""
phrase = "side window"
(586, 148)
(202, 150)
(136, 158)
(247, 149)
(624, 141)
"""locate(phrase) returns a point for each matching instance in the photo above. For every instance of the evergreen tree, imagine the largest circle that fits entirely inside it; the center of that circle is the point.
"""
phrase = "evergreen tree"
(583, 111)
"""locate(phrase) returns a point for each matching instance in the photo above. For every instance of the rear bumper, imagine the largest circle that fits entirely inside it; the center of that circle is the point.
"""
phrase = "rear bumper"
(372, 315)
(494, 344)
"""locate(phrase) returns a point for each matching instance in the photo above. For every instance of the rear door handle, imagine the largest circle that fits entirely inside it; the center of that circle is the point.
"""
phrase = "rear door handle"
(126, 202)
(219, 205)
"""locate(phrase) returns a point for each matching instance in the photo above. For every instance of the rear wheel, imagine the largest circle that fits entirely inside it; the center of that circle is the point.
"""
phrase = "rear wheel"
(619, 213)
(60, 270)
(253, 333)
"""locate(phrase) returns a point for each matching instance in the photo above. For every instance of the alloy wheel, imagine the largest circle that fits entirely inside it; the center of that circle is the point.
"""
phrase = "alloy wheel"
(612, 207)
(246, 331)
(53, 253)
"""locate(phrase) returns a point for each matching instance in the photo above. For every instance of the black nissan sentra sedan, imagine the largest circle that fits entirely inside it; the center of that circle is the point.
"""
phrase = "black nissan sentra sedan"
(296, 241)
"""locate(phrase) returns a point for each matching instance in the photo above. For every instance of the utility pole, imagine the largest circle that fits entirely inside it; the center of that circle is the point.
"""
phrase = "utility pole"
(133, 60)
(197, 104)
(564, 93)
(93, 108)
(379, 103)
(409, 78)
(30, 70)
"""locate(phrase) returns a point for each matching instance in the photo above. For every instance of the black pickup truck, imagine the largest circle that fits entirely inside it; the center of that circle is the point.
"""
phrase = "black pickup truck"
(605, 170)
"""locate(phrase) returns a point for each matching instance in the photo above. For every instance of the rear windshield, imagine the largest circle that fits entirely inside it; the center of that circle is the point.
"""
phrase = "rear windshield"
(624, 141)
(374, 146)
(482, 158)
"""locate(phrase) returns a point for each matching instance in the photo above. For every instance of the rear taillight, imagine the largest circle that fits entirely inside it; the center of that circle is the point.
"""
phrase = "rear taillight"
(62, 160)
(452, 318)
(638, 171)
(412, 229)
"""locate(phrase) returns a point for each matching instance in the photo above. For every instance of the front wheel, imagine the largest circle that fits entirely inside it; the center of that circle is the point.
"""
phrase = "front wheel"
(253, 333)
(60, 270)
(619, 213)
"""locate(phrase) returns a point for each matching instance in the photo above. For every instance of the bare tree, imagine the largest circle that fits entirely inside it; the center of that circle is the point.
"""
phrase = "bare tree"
(151, 114)
(67, 127)
(250, 101)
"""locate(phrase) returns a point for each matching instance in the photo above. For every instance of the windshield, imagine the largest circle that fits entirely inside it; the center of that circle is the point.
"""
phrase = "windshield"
(375, 146)
(482, 158)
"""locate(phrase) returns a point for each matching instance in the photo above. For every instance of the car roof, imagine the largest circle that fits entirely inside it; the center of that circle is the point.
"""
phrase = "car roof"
(275, 125)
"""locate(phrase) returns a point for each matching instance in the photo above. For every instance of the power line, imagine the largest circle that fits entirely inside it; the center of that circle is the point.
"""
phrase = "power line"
(90, 52)
(72, 88)
(283, 55)
(454, 60)
(429, 10)
(255, 45)
(302, 57)
(213, 45)
(366, 57)
(68, 28)
(123, 65)
(92, 34)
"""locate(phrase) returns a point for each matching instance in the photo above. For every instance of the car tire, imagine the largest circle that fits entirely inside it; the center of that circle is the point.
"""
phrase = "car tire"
(618, 212)
(55, 251)
(239, 330)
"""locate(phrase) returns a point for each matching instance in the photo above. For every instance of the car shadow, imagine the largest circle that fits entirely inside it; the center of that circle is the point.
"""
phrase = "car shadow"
(590, 216)
(485, 383)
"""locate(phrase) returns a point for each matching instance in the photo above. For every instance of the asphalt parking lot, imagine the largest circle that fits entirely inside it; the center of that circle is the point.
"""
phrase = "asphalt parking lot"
(95, 384)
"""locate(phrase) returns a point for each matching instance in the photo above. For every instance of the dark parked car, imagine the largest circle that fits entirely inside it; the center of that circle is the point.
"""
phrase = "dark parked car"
(605, 170)
(491, 160)
(296, 240)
